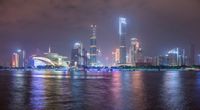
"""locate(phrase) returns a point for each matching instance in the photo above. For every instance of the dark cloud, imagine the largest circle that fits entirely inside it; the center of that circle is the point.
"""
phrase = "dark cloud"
(159, 24)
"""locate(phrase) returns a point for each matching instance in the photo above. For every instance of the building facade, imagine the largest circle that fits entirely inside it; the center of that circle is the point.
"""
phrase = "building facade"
(15, 60)
(134, 51)
(122, 38)
(77, 55)
(93, 47)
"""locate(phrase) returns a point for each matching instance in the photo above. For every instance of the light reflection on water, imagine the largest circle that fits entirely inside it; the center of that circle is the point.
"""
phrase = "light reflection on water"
(39, 90)
(172, 91)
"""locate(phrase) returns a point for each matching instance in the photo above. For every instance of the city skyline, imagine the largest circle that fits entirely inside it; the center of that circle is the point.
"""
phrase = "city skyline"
(62, 30)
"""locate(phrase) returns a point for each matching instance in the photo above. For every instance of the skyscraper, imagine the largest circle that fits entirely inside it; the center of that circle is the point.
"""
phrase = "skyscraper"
(77, 55)
(93, 47)
(192, 55)
(122, 36)
(116, 56)
(15, 60)
(22, 57)
(134, 49)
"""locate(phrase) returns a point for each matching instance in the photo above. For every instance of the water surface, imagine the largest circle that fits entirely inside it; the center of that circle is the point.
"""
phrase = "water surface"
(42, 90)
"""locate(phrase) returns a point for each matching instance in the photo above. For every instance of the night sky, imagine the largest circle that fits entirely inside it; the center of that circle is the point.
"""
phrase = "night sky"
(158, 24)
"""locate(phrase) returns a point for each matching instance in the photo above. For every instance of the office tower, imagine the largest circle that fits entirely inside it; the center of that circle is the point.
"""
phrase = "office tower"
(77, 55)
(134, 51)
(22, 57)
(49, 49)
(182, 57)
(85, 57)
(176, 57)
(122, 36)
(199, 59)
(100, 58)
(162, 60)
(15, 60)
(173, 57)
(192, 55)
(93, 47)
(116, 56)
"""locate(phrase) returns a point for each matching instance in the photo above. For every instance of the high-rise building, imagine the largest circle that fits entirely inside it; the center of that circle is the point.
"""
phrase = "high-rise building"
(85, 57)
(122, 37)
(134, 51)
(198, 59)
(192, 55)
(15, 60)
(116, 56)
(93, 47)
(162, 60)
(22, 57)
(176, 57)
(77, 55)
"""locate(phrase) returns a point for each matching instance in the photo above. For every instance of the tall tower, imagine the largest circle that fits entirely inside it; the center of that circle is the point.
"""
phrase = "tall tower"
(134, 50)
(49, 49)
(122, 36)
(15, 60)
(93, 47)
(192, 55)
(77, 54)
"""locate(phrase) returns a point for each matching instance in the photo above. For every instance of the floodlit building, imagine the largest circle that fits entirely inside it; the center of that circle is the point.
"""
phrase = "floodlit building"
(18, 58)
(135, 51)
(49, 59)
(174, 57)
(116, 56)
(15, 60)
(78, 55)
(122, 38)
(93, 47)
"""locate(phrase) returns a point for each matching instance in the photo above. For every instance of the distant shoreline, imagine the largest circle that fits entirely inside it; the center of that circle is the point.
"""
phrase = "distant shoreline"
(102, 69)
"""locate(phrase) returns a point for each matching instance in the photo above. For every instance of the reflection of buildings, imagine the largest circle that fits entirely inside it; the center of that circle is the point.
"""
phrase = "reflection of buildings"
(49, 59)
(138, 89)
(122, 36)
(93, 47)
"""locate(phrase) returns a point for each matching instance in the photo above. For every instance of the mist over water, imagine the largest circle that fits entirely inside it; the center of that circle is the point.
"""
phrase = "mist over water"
(39, 90)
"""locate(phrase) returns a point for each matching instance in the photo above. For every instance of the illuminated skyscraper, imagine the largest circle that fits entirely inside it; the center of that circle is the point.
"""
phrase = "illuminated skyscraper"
(176, 57)
(122, 36)
(77, 54)
(22, 57)
(15, 60)
(93, 47)
(134, 50)
(116, 56)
